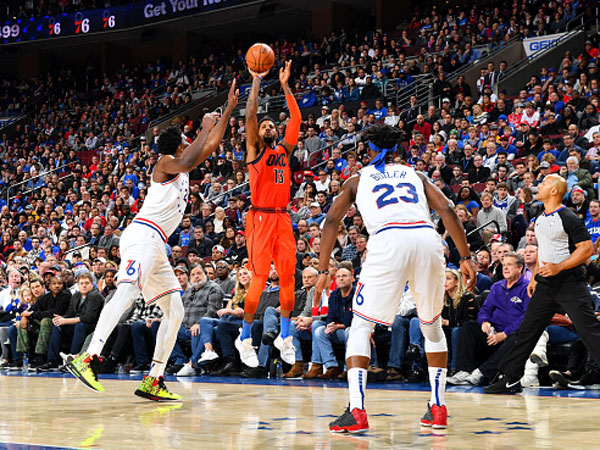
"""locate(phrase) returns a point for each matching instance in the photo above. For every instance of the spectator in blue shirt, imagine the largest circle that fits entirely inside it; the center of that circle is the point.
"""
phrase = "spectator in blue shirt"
(380, 112)
(316, 214)
(592, 221)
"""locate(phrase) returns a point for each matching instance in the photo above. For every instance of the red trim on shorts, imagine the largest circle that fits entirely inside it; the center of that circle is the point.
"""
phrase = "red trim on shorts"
(170, 291)
(370, 319)
(431, 322)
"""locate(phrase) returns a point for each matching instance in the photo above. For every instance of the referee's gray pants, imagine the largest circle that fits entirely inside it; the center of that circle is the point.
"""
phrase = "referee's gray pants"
(572, 294)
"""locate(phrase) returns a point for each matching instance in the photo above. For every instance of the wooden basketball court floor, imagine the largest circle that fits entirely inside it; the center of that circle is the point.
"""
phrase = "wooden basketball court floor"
(56, 411)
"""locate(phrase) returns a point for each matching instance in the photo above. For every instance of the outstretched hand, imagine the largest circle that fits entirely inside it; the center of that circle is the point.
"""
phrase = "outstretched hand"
(284, 72)
(232, 97)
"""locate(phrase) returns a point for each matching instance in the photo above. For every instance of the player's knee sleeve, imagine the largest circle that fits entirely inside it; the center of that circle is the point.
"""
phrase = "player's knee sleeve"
(286, 293)
(359, 338)
(253, 295)
(435, 339)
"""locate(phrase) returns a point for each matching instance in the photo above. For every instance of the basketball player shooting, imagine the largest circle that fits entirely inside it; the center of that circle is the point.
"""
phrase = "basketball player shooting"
(395, 203)
(144, 266)
(269, 234)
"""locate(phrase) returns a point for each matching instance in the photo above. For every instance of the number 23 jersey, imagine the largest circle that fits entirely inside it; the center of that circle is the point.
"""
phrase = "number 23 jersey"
(392, 199)
(270, 178)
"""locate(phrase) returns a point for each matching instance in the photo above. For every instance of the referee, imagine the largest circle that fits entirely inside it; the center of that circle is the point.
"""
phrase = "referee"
(558, 281)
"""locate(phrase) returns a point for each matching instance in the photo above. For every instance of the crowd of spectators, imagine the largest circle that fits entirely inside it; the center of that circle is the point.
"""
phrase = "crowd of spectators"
(15, 9)
(60, 232)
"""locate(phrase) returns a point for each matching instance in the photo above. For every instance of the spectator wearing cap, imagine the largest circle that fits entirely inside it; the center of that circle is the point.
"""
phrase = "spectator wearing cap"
(202, 299)
(200, 243)
(510, 149)
(98, 269)
(238, 251)
(182, 274)
(78, 321)
(577, 202)
(316, 215)
(217, 253)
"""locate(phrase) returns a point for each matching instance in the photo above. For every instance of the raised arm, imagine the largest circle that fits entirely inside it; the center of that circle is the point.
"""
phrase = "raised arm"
(252, 141)
(336, 213)
(292, 130)
(444, 208)
(203, 146)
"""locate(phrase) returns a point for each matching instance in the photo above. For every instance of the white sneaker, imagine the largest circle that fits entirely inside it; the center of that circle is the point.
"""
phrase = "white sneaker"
(286, 349)
(187, 371)
(530, 381)
(247, 352)
(459, 378)
(476, 378)
(208, 355)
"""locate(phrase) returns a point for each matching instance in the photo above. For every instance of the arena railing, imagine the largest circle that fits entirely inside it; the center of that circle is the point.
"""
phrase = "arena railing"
(482, 227)
(11, 187)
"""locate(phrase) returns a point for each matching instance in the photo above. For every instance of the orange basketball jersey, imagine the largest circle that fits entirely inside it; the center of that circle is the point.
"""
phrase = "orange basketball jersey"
(270, 178)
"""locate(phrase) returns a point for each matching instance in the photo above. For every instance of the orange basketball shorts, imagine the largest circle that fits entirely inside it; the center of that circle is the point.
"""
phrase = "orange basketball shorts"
(270, 239)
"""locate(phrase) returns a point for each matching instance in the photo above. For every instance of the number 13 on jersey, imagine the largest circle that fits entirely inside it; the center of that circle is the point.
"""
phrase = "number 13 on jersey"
(279, 178)
(406, 193)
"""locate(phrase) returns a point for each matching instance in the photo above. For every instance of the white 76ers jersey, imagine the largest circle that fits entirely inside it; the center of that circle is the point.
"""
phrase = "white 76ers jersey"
(394, 198)
(165, 205)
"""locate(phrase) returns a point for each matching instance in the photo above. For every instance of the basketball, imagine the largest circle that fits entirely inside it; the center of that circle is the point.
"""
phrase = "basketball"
(260, 58)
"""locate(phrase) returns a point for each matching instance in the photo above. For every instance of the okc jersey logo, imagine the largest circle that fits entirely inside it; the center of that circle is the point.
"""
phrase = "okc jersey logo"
(276, 160)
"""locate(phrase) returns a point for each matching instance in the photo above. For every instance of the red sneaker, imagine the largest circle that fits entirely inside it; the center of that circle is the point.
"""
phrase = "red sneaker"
(435, 417)
(350, 422)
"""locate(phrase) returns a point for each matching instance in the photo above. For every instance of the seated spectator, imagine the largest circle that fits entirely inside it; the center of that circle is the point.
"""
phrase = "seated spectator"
(228, 331)
(484, 343)
(200, 243)
(78, 321)
(335, 331)
(202, 299)
(459, 308)
(577, 176)
(233, 312)
(36, 323)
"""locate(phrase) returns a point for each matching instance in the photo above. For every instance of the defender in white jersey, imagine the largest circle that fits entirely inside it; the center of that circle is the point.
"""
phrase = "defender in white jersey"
(144, 263)
(395, 203)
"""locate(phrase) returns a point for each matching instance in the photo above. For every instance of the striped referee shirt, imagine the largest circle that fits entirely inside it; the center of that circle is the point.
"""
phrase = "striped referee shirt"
(557, 234)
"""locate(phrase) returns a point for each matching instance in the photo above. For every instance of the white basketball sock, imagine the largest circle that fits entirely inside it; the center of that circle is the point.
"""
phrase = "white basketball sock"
(437, 379)
(110, 315)
(172, 308)
(357, 384)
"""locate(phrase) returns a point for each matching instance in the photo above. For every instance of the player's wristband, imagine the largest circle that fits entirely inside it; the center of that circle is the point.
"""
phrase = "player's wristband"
(465, 258)
(259, 77)
(323, 272)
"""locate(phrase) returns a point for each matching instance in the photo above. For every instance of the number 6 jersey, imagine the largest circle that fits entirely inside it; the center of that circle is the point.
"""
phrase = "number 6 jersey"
(392, 199)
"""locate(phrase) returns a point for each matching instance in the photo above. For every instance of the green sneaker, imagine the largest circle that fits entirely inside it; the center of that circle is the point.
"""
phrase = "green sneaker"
(155, 389)
(85, 368)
